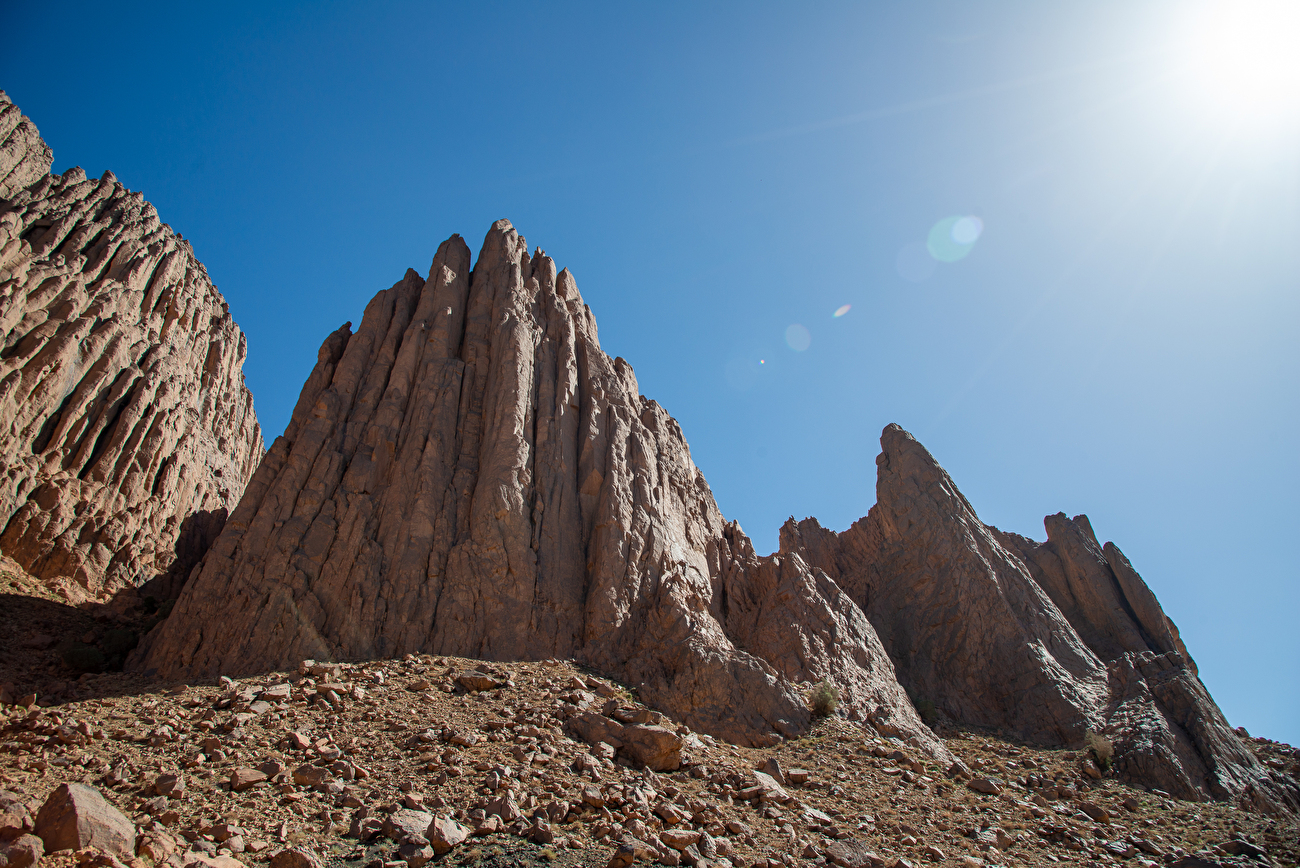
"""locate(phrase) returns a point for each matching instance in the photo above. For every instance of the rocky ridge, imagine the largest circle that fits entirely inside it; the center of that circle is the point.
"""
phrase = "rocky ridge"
(128, 433)
(469, 474)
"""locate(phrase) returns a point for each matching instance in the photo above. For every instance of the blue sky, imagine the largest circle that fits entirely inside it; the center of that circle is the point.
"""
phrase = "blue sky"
(1118, 341)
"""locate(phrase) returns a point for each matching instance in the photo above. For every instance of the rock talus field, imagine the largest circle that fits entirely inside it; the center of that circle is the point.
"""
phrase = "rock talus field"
(126, 430)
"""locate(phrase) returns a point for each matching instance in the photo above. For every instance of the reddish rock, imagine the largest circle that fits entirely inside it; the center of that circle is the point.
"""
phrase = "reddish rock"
(295, 857)
(21, 852)
(77, 816)
(470, 474)
(444, 833)
(1069, 638)
(128, 433)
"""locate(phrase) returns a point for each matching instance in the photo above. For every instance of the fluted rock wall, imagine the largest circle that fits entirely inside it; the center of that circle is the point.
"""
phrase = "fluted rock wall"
(126, 430)
(470, 474)
(1047, 640)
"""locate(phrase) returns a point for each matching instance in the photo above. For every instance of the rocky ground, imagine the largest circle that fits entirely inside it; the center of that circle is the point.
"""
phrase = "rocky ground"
(469, 762)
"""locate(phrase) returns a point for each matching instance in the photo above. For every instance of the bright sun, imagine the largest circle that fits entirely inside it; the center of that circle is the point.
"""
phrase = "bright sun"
(1244, 55)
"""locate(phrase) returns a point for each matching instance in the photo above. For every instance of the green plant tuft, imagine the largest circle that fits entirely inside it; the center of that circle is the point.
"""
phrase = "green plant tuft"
(929, 714)
(118, 640)
(81, 657)
(823, 699)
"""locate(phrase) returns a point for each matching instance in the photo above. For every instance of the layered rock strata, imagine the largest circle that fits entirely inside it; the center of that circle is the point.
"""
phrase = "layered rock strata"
(469, 473)
(127, 432)
(1047, 640)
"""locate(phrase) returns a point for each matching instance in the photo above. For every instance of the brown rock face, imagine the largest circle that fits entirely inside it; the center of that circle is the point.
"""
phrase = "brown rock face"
(127, 430)
(1047, 640)
(470, 474)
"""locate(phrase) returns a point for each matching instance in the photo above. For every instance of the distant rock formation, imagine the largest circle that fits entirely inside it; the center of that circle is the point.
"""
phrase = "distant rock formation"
(1045, 640)
(469, 474)
(126, 431)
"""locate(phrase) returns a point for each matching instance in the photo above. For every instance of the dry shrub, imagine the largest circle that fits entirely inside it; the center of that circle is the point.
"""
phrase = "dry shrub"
(1100, 747)
(823, 699)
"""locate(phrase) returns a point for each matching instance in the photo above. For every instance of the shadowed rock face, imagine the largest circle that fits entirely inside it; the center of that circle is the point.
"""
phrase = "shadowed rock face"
(126, 431)
(469, 474)
(1047, 640)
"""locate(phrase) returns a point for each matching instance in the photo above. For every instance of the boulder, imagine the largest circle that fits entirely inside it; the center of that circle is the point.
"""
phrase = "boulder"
(76, 816)
(444, 833)
(655, 747)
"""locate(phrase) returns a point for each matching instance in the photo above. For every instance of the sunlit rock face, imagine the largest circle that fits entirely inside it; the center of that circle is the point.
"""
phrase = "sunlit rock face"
(1043, 640)
(469, 473)
(126, 430)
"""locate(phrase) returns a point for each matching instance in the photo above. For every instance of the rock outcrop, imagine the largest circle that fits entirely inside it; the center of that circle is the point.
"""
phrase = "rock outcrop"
(1047, 640)
(128, 433)
(470, 474)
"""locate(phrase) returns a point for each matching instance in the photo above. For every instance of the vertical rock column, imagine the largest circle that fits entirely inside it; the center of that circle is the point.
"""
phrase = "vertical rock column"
(127, 432)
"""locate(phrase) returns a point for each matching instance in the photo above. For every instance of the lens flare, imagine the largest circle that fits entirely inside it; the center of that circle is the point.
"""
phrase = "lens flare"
(841, 310)
(798, 337)
(967, 230)
(952, 238)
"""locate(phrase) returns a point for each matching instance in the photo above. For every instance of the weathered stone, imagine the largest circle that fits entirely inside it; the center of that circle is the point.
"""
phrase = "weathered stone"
(21, 852)
(988, 786)
(76, 816)
(477, 681)
(128, 433)
(243, 778)
(295, 857)
(444, 833)
(851, 853)
(408, 825)
(655, 747)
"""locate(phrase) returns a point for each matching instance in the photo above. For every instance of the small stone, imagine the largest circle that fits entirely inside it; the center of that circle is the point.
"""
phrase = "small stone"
(171, 786)
(23, 851)
(988, 786)
(1095, 811)
(242, 779)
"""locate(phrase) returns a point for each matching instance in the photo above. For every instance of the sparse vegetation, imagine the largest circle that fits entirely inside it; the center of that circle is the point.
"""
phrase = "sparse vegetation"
(81, 657)
(1100, 748)
(823, 699)
(929, 714)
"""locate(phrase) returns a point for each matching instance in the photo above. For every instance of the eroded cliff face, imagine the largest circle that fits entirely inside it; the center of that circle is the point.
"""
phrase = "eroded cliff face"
(127, 433)
(470, 474)
(1046, 640)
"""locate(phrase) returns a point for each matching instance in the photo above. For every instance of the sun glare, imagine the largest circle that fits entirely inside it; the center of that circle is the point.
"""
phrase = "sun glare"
(1244, 56)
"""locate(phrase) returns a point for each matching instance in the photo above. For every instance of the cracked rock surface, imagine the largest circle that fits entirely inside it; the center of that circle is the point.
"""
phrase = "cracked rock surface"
(127, 432)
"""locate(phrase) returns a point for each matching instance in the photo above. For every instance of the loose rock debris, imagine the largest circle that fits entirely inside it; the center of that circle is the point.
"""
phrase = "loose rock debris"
(432, 760)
